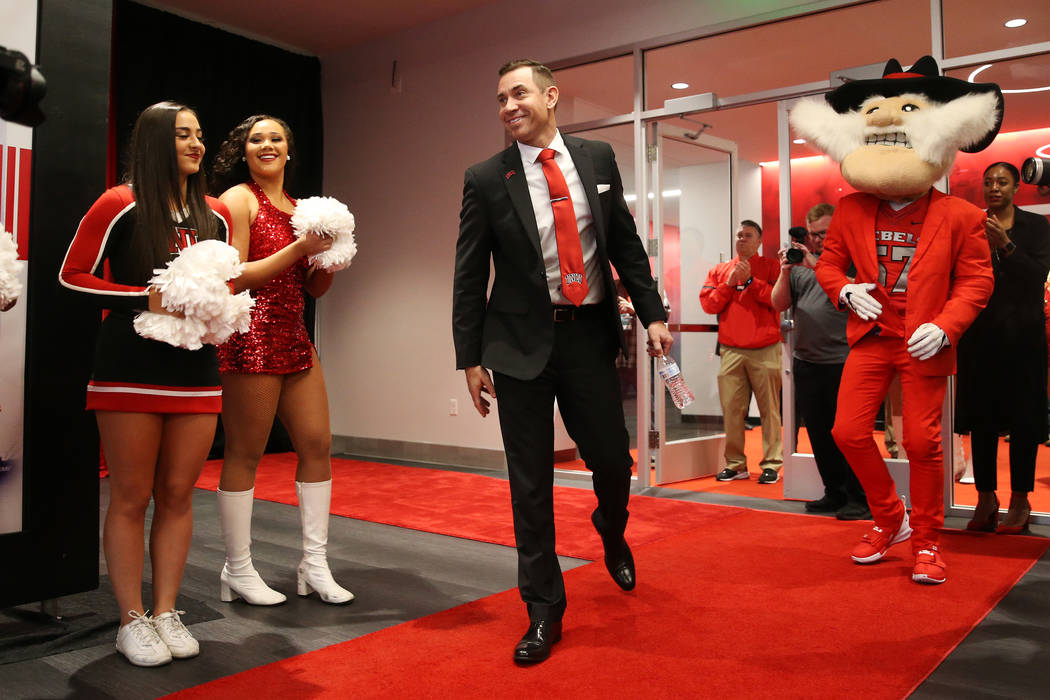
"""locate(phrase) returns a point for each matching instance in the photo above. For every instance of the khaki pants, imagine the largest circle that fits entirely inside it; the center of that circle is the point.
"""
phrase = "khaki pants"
(743, 372)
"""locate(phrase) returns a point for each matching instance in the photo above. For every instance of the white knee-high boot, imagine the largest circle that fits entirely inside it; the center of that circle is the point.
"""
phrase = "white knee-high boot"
(314, 501)
(238, 575)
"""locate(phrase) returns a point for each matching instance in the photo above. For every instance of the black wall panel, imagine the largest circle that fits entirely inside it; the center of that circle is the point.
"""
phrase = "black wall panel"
(57, 552)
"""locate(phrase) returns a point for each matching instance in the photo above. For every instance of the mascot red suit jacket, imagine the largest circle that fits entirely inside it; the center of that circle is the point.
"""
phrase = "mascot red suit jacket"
(949, 280)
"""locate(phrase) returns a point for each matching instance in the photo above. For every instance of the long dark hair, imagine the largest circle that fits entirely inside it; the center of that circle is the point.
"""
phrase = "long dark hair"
(230, 168)
(153, 172)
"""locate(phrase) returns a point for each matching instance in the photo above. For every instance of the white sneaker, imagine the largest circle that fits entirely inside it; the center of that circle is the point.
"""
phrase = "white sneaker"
(138, 641)
(173, 633)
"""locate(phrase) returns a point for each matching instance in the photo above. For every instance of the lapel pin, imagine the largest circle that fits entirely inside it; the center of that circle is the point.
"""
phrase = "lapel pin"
(509, 173)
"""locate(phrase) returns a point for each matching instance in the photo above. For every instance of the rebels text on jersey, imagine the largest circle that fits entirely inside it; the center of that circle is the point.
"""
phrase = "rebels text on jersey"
(896, 236)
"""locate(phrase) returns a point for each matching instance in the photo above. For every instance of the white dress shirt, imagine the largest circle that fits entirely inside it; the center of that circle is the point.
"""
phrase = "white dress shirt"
(541, 206)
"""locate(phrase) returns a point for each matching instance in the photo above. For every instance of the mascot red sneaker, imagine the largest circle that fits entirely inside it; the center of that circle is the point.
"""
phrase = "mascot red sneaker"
(923, 274)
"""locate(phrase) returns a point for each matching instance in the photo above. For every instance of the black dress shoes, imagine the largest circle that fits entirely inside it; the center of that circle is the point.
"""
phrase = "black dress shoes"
(854, 511)
(536, 645)
(824, 504)
(620, 564)
(618, 558)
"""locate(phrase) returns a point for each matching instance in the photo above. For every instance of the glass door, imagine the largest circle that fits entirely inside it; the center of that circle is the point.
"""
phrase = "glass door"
(694, 208)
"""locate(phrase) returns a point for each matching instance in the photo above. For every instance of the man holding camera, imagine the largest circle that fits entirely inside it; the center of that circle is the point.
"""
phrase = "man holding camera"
(749, 341)
(819, 356)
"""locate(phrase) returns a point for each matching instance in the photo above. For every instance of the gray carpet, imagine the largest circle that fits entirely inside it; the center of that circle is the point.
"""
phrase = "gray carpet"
(84, 620)
(396, 575)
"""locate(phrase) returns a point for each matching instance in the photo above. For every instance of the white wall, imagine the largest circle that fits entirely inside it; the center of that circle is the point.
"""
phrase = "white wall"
(707, 239)
(398, 160)
(706, 233)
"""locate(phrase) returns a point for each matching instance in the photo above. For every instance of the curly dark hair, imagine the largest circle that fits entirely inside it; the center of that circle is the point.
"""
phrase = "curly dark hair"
(230, 168)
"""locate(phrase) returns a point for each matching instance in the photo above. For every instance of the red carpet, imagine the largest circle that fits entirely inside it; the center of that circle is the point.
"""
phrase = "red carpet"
(464, 505)
(965, 494)
(751, 605)
(750, 487)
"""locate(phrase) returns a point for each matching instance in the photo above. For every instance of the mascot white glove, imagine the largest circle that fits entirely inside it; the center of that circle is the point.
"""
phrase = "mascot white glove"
(857, 298)
(926, 341)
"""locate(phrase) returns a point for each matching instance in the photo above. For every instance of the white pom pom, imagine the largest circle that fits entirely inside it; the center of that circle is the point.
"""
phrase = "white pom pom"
(11, 269)
(194, 285)
(236, 318)
(338, 257)
(322, 216)
(181, 332)
(327, 217)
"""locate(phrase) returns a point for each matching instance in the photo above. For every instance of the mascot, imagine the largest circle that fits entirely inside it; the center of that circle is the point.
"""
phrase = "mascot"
(923, 273)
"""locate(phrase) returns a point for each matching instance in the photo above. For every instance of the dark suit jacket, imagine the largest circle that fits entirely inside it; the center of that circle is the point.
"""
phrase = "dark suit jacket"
(512, 332)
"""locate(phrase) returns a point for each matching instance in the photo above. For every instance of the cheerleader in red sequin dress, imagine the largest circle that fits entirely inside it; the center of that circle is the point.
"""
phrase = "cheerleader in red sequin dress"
(272, 370)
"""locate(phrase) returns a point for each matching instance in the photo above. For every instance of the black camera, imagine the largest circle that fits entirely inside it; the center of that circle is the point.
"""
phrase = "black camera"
(798, 234)
(1036, 171)
(22, 87)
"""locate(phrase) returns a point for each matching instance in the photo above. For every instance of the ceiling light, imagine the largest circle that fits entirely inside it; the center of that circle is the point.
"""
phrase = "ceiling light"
(1019, 22)
(679, 86)
(799, 141)
(666, 193)
(978, 71)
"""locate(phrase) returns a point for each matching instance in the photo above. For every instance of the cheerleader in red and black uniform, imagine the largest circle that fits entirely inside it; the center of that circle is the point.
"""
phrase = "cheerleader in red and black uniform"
(156, 404)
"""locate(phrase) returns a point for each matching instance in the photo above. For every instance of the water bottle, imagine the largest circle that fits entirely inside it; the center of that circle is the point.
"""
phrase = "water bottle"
(676, 386)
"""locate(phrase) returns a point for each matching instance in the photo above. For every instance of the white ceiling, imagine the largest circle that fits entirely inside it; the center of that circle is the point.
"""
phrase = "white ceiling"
(316, 27)
(789, 52)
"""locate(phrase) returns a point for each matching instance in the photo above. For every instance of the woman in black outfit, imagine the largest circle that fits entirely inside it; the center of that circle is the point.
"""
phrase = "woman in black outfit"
(1002, 375)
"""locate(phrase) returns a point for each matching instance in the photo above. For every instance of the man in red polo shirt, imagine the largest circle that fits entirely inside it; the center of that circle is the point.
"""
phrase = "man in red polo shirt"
(749, 338)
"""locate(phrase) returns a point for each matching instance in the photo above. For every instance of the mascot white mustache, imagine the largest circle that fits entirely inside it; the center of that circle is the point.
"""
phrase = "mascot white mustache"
(919, 273)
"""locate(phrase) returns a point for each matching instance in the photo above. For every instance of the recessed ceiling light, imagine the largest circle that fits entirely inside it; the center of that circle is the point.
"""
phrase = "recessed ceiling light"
(679, 86)
(978, 71)
(1019, 22)
(799, 141)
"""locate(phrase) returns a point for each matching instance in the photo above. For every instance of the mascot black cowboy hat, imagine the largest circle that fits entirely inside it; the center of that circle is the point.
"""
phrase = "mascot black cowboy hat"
(923, 78)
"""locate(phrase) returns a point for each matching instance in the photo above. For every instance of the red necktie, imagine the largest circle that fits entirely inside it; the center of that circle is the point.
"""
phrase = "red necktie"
(570, 254)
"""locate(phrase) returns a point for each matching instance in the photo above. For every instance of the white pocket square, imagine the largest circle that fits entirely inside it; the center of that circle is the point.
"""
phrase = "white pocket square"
(603, 188)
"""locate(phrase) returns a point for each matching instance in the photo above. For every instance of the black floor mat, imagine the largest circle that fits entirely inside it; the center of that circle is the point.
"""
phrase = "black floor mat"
(87, 619)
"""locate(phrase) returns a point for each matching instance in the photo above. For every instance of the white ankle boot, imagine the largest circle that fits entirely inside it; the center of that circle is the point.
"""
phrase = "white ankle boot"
(314, 574)
(238, 575)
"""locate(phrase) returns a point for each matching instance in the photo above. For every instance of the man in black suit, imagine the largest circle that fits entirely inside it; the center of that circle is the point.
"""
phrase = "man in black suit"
(549, 213)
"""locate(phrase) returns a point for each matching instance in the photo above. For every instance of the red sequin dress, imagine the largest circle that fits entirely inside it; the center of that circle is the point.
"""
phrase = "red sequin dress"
(276, 342)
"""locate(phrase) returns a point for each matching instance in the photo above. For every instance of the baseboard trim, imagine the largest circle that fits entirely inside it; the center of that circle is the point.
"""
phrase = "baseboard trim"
(428, 453)
(423, 452)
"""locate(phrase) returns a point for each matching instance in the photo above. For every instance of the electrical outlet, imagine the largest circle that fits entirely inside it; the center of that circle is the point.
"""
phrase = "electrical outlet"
(453, 407)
